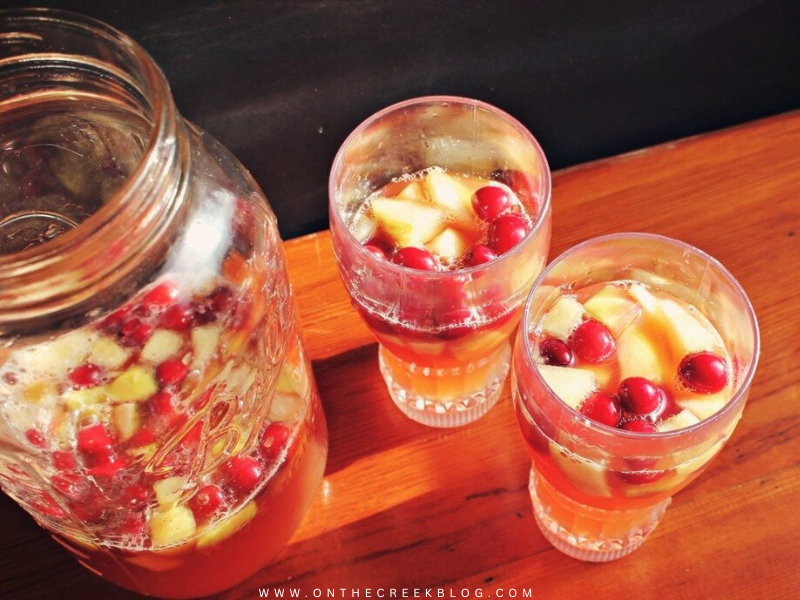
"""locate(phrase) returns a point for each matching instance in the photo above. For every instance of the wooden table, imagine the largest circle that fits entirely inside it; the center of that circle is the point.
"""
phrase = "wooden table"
(403, 505)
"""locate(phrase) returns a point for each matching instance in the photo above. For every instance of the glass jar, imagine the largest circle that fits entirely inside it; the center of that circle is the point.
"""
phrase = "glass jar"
(158, 414)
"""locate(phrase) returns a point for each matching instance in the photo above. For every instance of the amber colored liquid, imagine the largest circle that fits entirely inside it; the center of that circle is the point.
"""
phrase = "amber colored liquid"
(187, 571)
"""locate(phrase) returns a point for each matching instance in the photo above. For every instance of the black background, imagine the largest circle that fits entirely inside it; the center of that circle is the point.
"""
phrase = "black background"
(281, 83)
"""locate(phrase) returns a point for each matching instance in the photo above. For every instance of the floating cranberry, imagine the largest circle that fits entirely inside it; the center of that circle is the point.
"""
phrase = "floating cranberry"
(87, 375)
(375, 250)
(95, 440)
(603, 408)
(107, 466)
(64, 461)
(507, 231)
(36, 438)
(206, 502)
(639, 426)
(136, 333)
(642, 397)
(479, 255)
(114, 322)
(161, 296)
(162, 403)
(275, 437)
(592, 341)
(178, 317)
(171, 372)
(416, 258)
(704, 372)
(142, 437)
(490, 202)
(245, 472)
(555, 352)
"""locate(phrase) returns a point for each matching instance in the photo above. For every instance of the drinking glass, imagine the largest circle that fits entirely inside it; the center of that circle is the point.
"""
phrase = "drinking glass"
(444, 336)
(599, 491)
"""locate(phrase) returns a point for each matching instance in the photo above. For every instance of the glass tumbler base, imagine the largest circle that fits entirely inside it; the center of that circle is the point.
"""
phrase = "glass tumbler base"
(445, 397)
(588, 533)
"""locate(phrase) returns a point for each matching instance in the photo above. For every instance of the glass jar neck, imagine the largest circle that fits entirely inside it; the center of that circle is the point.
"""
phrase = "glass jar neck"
(102, 159)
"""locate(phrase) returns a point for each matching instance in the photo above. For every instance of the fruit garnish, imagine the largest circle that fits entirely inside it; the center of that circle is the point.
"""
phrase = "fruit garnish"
(555, 352)
(704, 406)
(603, 408)
(178, 317)
(94, 440)
(450, 245)
(87, 375)
(204, 342)
(639, 426)
(408, 223)
(168, 491)
(35, 437)
(704, 372)
(592, 341)
(171, 372)
(642, 397)
(479, 255)
(613, 307)
(375, 250)
(133, 385)
(563, 317)
(507, 231)
(491, 201)
(684, 418)
(107, 353)
(162, 403)
(161, 296)
(206, 502)
(573, 386)
(162, 345)
(126, 419)
(172, 526)
(228, 526)
(275, 437)
(416, 258)
(687, 333)
(244, 473)
(637, 357)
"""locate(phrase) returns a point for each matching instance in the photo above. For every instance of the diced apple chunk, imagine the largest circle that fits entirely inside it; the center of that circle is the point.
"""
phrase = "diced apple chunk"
(563, 317)
(642, 295)
(204, 341)
(613, 307)
(285, 407)
(449, 193)
(107, 353)
(587, 476)
(686, 333)
(134, 385)
(80, 399)
(126, 419)
(228, 526)
(168, 491)
(293, 379)
(449, 245)
(58, 356)
(704, 406)
(413, 191)
(638, 357)
(407, 222)
(172, 526)
(683, 419)
(40, 392)
(573, 386)
(163, 344)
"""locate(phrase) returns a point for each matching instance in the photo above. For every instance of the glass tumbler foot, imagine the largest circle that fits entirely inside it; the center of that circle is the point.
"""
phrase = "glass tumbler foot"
(588, 533)
(445, 397)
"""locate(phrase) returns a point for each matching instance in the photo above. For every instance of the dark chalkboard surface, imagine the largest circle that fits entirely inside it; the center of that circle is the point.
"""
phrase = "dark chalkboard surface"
(281, 83)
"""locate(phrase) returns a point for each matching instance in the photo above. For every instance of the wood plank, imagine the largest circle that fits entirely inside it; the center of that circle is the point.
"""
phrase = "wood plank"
(403, 505)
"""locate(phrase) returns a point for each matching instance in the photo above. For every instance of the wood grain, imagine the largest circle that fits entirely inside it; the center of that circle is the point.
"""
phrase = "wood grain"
(403, 505)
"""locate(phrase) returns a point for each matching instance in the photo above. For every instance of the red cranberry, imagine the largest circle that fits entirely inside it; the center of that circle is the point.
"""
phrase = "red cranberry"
(36, 438)
(275, 437)
(206, 502)
(416, 258)
(192, 437)
(490, 202)
(160, 296)
(221, 299)
(244, 472)
(375, 250)
(479, 255)
(639, 426)
(178, 317)
(142, 437)
(704, 372)
(507, 231)
(162, 403)
(87, 375)
(556, 353)
(603, 408)
(132, 527)
(95, 440)
(107, 465)
(114, 322)
(49, 506)
(64, 461)
(592, 341)
(134, 332)
(69, 485)
(171, 372)
(136, 496)
(642, 397)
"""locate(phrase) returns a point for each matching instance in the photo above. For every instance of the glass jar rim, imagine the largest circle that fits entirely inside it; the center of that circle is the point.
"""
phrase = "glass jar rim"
(369, 258)
(703, 425)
